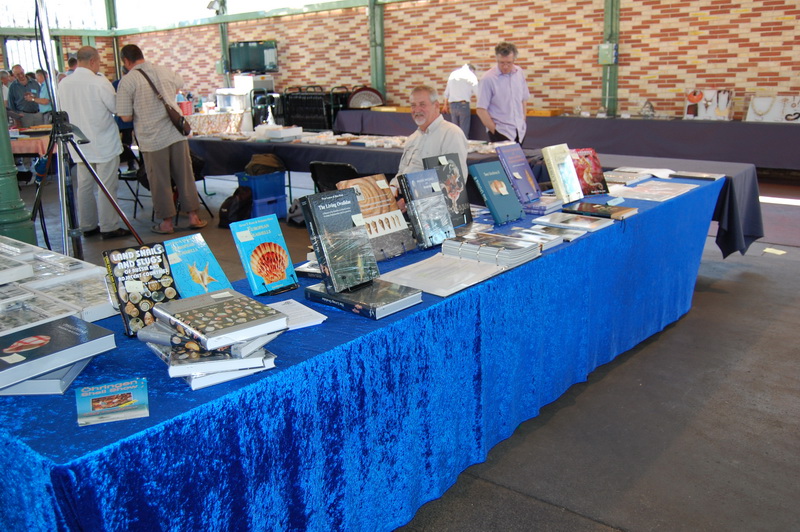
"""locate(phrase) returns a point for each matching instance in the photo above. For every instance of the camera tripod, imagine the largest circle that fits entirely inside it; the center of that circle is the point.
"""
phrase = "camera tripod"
(63, 135)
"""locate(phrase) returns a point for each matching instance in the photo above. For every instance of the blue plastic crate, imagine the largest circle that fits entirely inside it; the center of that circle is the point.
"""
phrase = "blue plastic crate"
(264, 185)
(265, 206)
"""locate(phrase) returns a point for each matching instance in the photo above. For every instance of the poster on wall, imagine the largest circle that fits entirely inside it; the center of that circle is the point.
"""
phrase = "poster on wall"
(708, 104)
(774, 109)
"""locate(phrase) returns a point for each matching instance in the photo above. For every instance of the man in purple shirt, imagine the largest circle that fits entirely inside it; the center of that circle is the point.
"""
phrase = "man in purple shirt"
(502, 96)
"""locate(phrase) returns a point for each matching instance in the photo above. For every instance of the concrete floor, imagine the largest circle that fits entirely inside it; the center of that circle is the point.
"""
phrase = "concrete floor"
(696, 429)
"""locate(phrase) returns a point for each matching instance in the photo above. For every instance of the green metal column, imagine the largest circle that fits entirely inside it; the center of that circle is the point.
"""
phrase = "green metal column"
(610, 35)
(15, 219)
(377, 59)
(225, 61)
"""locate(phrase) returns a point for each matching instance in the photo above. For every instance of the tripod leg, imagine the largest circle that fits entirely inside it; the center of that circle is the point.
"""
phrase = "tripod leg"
(105, 191)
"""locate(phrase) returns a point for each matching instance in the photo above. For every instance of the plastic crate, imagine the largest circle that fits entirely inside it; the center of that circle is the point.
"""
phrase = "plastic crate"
(275, 205)
(264, 186)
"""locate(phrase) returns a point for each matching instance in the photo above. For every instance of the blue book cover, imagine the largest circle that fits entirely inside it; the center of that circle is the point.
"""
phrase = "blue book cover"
(264, 255)
(519, 174)
(112, 402)
(495, 188)
(194, 267)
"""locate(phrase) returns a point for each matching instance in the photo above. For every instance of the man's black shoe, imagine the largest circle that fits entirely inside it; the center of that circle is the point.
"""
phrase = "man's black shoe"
(92, 232)
(116, 233)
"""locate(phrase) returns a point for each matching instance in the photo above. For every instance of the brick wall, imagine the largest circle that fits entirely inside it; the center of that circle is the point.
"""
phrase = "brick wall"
(665, 48)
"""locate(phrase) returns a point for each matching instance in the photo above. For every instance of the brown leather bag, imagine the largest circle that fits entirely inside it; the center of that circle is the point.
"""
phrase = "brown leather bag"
(175, 116)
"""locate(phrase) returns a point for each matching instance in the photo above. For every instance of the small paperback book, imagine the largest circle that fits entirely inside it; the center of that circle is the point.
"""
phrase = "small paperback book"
(140, 277)
(387, 228)
(562, 173)
(264, 255)
(626, 176)
(574, 221)
(194, 267)
(376, 299)
(496, 190)
(339, 238)
(454, 185)
(590, 171)
(112, 402)
(221, 318)
(426, 207)
(49, 346)
(520, 175)
(567, 234)
(615, 212)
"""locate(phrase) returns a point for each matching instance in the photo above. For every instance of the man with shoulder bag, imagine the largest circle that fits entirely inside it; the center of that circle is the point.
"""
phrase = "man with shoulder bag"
(144, 96)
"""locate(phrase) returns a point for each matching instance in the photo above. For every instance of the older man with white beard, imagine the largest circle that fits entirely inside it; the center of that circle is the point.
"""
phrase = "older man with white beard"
(434, 136)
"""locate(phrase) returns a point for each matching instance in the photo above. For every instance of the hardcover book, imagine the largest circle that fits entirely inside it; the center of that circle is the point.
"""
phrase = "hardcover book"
(48, 346)
(621, 177)
(112, 402)
(162, 334)
(544, 241)
(140, 277)
(264, 255)
(520, 174)
(454, 186)
(375, 300)
(387, 228)
(194, 267)
(183, 361)
(574, 221)
(562, 172)
(496, 190)
(681, 174)
(221, 318)
(589, 171)
(53, 382)
(426, 207)
(339, 238)
(545, 205)
(615, 212)
(204, 380)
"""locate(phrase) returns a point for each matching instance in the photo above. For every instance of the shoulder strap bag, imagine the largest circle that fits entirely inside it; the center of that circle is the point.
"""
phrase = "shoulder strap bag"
(177, 118)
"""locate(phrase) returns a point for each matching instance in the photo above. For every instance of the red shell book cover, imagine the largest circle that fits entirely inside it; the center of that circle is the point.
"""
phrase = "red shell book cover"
(590, 171)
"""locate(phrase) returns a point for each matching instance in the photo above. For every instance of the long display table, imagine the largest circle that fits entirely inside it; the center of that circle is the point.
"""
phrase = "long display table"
(767, 145)
(361, 422)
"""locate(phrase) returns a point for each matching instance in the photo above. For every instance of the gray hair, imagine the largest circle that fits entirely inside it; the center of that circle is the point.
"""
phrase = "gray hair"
(505, 48)
(432, 94)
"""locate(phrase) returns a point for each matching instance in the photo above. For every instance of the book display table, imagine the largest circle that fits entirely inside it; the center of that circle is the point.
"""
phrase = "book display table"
(362, 421)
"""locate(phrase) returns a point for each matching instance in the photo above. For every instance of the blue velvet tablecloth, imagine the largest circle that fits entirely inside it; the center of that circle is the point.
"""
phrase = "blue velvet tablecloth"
(361, 422)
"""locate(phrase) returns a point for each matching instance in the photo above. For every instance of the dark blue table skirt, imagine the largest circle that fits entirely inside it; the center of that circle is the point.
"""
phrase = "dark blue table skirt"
(362, 422)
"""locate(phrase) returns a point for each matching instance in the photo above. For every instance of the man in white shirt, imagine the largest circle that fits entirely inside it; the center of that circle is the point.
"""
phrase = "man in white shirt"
(5, 79)
(461, 86)
(90, 102)
(434, 136)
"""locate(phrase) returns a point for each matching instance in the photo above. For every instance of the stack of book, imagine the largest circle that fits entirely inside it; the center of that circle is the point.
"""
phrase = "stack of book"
(574, 221)
(216, 337)
(347, 261)
(45, 358)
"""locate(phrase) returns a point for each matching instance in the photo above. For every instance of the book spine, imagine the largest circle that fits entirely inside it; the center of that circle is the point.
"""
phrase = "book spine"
(361, 310)
(113, 283)
(313, 231)
(555, 176)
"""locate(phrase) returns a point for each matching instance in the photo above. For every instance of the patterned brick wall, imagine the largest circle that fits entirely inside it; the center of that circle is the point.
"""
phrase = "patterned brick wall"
(665, 48)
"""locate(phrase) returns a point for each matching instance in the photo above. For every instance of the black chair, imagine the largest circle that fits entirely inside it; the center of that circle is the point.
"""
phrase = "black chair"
(131, 178)
(325, 174)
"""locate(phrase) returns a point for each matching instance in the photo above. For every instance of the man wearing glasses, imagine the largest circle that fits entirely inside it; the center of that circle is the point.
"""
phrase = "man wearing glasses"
(19, 102)
(502, 96)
